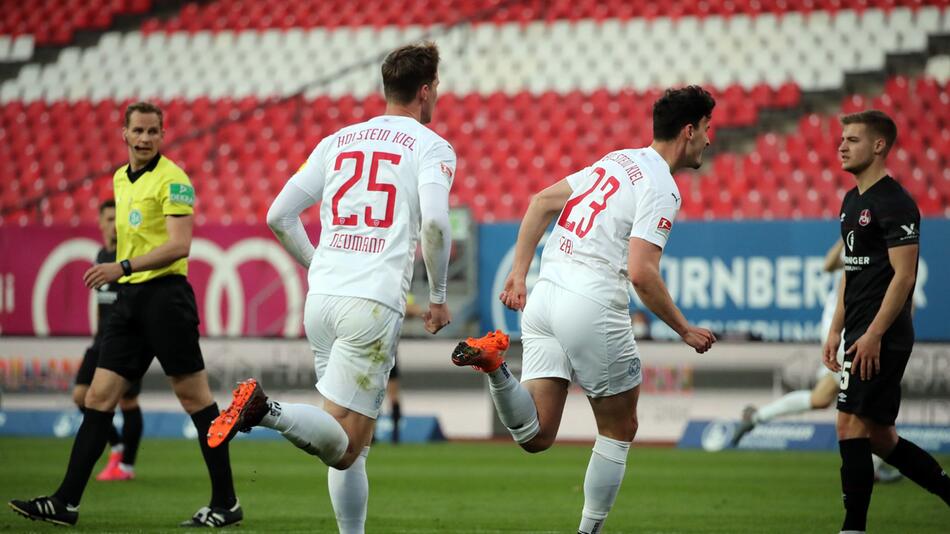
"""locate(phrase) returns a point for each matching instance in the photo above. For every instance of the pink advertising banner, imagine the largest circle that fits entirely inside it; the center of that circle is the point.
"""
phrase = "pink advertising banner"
(245, 283)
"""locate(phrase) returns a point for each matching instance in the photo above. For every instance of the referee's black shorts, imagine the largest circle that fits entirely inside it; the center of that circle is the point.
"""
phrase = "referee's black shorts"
(155, 318)
(878, 399)
(88, 368)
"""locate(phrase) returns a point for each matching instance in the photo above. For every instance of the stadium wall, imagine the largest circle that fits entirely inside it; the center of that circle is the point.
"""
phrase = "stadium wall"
(760, 279)
(679, 386)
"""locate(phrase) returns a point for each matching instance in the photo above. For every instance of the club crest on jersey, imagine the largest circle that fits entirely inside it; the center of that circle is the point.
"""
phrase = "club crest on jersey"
(664, 226)
(865, 217)
(135, 218)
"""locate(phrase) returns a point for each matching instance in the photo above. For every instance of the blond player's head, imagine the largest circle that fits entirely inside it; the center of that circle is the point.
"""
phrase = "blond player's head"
(411, 78)
(681, 117)
(143, 131)
(866, 137)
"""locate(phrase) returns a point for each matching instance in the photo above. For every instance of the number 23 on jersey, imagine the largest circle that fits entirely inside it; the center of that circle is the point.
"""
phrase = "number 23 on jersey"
(604, 187)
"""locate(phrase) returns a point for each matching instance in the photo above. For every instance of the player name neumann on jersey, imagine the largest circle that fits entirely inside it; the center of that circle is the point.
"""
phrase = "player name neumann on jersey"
(854, 263)
(358, 243)
(377, 134)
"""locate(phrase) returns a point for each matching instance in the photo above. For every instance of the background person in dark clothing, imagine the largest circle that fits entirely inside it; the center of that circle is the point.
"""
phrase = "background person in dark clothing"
(880, 227)
(155, 314)
(125, 446)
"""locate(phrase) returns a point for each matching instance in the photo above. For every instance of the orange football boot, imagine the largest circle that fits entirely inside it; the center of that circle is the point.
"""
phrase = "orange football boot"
(486, 353)
(248, 406)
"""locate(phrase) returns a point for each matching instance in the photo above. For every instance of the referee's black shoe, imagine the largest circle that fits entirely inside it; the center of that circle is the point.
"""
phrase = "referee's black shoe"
(215, 517)
(49, 509)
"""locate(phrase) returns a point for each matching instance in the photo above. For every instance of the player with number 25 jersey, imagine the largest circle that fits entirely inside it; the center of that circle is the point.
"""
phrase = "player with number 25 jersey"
(382, 185)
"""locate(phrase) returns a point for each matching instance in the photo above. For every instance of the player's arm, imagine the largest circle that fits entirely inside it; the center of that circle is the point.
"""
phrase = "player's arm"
(436, 249)
(178, 245)
(833, 257)
(544, 206)
(435, 181)
(867, 349)
(283, 218)
(304, 189)
(829, 353)
(643, 266)
(904, 262)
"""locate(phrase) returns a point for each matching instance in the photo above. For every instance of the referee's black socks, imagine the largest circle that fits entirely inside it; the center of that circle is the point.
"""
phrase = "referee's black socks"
(114, 438)
(131, 434)
(919, 466)
(87, 447)
(217, 460)
(857, 481)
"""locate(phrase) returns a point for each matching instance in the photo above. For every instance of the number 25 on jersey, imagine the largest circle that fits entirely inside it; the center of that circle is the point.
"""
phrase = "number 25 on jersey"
(604, 187)
(372, 185)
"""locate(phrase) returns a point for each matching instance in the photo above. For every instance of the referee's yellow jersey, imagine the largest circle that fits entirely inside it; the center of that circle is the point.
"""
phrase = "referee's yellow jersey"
(142, 201)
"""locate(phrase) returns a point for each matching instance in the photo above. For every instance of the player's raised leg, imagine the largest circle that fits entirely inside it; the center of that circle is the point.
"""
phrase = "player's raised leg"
(794, 402)
(531, 411)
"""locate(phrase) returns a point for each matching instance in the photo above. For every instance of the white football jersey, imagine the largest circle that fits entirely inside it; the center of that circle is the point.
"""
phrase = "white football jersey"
(369, 216)
(627, 193)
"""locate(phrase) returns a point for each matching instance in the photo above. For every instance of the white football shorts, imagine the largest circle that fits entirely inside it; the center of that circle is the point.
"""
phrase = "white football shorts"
(566, 335)
(354, 344)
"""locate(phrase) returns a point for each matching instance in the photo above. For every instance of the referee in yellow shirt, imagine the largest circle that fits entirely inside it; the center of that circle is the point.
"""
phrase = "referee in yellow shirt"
(155, 315)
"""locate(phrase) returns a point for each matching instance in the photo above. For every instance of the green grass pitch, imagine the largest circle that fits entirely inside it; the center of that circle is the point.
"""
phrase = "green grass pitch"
(472, 487)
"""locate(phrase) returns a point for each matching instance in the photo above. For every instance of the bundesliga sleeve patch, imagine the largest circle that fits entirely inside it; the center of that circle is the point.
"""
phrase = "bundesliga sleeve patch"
(181, 194)
(446, 170)
(664, 226)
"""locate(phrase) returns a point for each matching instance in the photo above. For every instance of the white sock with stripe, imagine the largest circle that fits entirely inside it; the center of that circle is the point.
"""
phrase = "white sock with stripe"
(309, 428)
(602, 483)
(514, 405)
(349, 493)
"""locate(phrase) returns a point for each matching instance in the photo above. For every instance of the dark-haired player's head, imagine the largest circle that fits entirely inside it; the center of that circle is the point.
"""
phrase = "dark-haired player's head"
(107, 223)
(411, 77)
(683, 115)
(143, 132)
(866, 138)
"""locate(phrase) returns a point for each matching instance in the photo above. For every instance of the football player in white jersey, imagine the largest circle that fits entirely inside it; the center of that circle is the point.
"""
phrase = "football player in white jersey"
(380, 184)
(612, 221)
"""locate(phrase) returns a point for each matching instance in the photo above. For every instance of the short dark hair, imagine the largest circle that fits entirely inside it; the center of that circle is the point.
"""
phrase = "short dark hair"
(877, 122)
(679, 107)
(144, 107)
(408, 68)
(106, 204)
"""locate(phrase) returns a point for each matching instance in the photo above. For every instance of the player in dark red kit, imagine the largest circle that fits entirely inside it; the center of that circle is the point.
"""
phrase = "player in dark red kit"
(880, 227)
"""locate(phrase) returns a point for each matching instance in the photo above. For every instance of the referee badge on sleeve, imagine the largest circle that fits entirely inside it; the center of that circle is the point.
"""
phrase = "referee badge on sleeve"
(181, 194)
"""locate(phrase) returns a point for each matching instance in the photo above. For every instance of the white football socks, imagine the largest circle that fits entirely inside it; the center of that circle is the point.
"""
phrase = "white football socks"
(514, 405)
(602, 483)
(791, 403)
(349, 493)
(309, 428)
